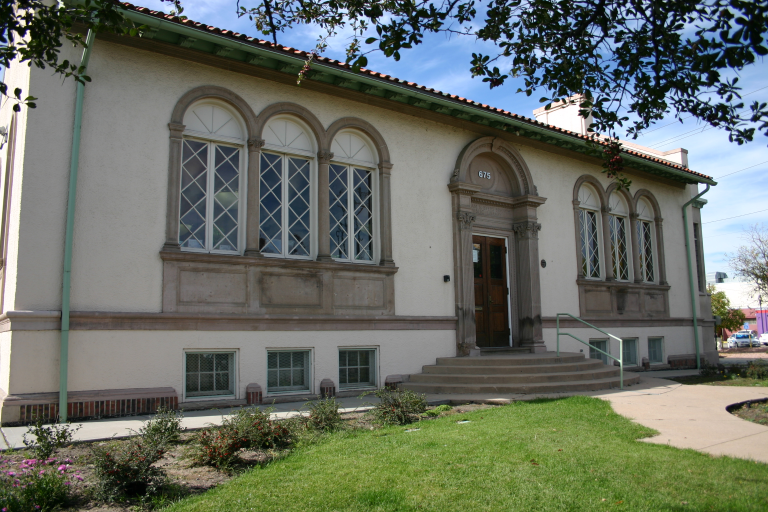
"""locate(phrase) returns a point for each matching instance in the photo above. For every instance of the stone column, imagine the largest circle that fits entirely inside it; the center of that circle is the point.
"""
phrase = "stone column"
(660, 251)
(174, 188)
(465, 279)
(323, 207)
(635, 243)
(608, 259)
(579, 241)
(253, 201)
(385, 214)
(529, 288)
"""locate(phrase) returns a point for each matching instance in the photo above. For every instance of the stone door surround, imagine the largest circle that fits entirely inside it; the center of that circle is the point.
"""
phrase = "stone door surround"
(492, 193)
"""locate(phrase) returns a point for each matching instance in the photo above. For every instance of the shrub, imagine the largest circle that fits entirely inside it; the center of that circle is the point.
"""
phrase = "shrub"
(324, 415)
(438, 410)
(258, 429)
(127, 471)
(710, 370)
(48, 439)
(397, 407)
(757, 370)
(164, 428)
(218, 446)
(35, 484)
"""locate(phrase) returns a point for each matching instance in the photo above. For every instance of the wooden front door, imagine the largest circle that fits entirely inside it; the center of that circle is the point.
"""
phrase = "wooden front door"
(489, 256)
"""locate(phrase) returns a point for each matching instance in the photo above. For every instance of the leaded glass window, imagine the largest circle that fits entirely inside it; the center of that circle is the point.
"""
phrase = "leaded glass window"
(590, 246)
(351, 212)
(209, 208)
(285, 193)
(287, 370)
(357, 368)
(209, 374)
(645, 242)
(618, 229)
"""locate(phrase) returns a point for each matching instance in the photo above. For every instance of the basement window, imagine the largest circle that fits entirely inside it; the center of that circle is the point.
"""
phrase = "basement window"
(357, 368)
(209, 374)
(287, 371)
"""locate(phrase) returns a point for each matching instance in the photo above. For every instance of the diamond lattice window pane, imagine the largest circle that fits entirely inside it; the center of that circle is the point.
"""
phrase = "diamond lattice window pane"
(338, 197)
(271, 204)
(298, 207)
(226, 196)
(589, 244)
(363, 214)
(194, 186)
(619, 247)
(647, 249)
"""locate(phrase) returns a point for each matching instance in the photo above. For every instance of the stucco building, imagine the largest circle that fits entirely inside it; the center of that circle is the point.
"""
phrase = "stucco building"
(238, 237)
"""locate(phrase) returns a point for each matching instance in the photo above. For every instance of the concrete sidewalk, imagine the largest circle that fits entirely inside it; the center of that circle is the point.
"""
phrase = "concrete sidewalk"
(12, 437)
(685, 416)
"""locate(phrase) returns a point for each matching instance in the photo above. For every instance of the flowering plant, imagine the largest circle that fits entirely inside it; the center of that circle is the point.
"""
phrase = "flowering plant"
(36, 484)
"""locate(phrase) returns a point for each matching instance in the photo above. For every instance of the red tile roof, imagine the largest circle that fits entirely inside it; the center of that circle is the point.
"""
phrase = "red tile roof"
(325, 60)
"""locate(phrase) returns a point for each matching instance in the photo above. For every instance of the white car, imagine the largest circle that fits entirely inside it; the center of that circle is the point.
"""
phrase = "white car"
(763, 338)
(745, 339)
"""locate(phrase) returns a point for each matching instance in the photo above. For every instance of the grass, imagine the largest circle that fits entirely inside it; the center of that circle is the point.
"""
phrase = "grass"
(567, 454)
(733, 380)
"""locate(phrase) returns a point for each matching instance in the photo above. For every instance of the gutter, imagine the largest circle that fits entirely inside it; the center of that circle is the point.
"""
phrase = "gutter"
(493, 119)
(690, 276)
(68, 239)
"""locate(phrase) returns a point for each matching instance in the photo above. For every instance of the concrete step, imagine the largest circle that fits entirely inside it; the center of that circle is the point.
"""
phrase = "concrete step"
(491, 351)
(584, 365)
(512, 360)
(492, 378)
(553, 387)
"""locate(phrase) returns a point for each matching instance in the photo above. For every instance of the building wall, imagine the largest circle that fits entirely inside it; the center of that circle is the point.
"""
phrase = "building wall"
(121, 212)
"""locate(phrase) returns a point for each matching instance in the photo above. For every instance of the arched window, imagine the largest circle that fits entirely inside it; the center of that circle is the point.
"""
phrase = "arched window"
(589, 231)
(286, 189)
(352, 183)
(645, 239)
(212, 159)
(618, 221)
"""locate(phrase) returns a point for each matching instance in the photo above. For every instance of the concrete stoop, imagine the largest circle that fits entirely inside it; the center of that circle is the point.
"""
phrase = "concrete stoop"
(518, 373)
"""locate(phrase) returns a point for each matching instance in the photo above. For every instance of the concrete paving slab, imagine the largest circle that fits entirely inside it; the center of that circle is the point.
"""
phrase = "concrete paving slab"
(96, 430)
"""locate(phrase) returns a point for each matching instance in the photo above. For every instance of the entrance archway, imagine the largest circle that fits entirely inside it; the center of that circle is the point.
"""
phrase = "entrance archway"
(493, 196)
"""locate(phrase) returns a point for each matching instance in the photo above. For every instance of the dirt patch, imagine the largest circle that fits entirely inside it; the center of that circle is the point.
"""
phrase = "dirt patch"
(756, 412)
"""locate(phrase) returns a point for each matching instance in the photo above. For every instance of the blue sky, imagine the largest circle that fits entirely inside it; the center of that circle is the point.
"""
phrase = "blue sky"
(442, 62)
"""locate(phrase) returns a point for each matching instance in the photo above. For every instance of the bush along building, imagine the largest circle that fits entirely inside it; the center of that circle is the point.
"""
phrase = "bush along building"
(223, 236)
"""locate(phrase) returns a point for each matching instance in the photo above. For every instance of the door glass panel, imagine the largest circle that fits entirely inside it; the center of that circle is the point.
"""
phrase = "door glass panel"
(497, 262)
(477, 258)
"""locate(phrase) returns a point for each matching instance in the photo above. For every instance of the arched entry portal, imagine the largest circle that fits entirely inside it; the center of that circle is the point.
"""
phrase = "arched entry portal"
(494, 203)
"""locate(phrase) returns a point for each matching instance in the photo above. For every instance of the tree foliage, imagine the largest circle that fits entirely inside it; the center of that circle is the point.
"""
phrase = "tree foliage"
(629, 62)
(34, 31)
(751, 261)
(730, 318)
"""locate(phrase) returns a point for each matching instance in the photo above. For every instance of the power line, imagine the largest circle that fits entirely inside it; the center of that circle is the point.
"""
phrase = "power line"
(688, 117)
(744, 169)
(735, 217)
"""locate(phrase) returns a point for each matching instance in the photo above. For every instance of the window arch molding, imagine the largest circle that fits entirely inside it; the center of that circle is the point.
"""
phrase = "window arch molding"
(604, 234)
(658, 232)
(353, 124)
(176, 128)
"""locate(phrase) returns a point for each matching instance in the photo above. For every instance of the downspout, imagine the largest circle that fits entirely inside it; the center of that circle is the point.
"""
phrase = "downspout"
(65, 293)
(690, 277)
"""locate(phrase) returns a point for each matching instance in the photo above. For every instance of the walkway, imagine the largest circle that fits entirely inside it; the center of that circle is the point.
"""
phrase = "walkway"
(685, 416)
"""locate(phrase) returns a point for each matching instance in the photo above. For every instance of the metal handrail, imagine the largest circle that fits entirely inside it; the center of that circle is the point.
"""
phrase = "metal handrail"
(620, 359)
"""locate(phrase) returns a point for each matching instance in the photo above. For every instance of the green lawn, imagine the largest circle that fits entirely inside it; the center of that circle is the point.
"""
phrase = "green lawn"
(569, 454)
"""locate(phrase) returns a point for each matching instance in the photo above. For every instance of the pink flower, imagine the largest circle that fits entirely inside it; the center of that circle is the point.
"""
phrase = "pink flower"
(78, 478)
(42, 472)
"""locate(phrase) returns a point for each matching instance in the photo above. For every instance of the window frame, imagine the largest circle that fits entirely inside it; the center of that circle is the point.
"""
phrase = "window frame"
(309, 369)
(583, 212)
(234, 378)
(615, 256)
(350, 163)
(285, 153)
(213, 141)
(602, 357)
(374, 367)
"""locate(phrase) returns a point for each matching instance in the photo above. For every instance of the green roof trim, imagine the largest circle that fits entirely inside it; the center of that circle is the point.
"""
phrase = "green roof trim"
(176, 33)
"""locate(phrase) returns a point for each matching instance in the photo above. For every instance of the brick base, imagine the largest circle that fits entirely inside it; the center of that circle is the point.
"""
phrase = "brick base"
(684, 361)
(253, 394)
(327, 388)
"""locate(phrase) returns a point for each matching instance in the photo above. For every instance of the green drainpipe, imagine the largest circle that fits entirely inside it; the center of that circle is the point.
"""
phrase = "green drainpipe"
(690, 277)
(74, 163)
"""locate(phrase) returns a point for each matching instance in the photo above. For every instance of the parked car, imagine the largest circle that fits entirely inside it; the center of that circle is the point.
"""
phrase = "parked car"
(731, 342)
(763, 338)
(745, 339)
